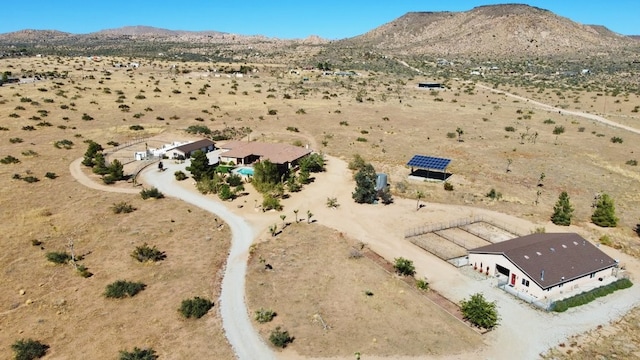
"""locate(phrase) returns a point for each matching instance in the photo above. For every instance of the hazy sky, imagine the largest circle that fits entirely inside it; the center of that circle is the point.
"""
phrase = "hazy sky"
(329, 19)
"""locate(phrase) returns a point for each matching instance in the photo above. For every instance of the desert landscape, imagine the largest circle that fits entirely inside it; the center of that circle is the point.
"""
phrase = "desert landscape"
(519, 132)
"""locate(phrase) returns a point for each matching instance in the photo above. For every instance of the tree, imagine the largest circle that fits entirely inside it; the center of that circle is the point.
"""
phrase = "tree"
(605, 213)
(419, 195)
(480, 312)
(265, 176)
(313, 163)
(29, 349)
(562, 211)
(225, 193)
(93, 149)
(385, 195)
(282, 217)
(460, 132)
(365, 192)
(199, 167)
(195, 308)
(280, 338)
(115, 172)
(99, 164)
(404, 266)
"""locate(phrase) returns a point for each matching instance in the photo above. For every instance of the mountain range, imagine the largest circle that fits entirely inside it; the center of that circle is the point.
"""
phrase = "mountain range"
(485, 31)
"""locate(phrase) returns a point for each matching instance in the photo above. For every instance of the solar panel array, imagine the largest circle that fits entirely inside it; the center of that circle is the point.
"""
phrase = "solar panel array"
(429, 162)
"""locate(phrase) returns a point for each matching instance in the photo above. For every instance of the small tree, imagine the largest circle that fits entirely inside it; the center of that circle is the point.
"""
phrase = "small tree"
(404, 266)
(460, 132)
(562, 211)
(605, 213)
(309, 215)
(295, 212)
(28, 349)
(419, 195)
(195, 308)
(365, 192)
(93, 149)
(480, 312)
(199, 167)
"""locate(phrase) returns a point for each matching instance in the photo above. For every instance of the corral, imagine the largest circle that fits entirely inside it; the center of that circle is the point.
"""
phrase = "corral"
(450, 241)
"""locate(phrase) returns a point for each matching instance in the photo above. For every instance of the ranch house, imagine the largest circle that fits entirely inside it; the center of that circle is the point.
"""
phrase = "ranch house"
(546, 265)
(246, 153)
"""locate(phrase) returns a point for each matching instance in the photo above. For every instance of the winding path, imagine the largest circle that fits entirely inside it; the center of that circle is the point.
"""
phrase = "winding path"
(238, 328)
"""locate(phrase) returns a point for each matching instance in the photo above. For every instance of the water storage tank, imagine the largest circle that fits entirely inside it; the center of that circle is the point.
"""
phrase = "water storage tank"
(381, 181)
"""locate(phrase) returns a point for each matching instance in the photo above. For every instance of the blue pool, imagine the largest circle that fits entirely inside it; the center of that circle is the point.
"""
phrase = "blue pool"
(246, 171)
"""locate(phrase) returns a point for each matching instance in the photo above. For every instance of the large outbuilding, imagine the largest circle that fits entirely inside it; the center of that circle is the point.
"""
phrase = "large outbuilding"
(184, 151)
(546, 265)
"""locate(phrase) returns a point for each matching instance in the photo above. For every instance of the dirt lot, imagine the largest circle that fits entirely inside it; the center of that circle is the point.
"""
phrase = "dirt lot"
(394, 121)
(313, 277)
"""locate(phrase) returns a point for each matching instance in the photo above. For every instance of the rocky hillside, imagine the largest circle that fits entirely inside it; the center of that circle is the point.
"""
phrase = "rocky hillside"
(494, 30)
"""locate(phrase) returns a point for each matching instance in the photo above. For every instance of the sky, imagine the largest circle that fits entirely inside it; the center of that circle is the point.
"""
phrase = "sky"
(287, 19)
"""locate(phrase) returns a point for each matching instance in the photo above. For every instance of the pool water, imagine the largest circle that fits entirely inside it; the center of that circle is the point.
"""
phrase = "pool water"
(247, 171)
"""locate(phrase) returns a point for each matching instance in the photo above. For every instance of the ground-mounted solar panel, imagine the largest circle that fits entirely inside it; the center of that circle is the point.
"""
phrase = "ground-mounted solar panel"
(429, 162)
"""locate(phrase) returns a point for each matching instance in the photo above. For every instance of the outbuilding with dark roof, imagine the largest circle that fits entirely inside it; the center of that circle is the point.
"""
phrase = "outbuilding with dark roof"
(546, 265)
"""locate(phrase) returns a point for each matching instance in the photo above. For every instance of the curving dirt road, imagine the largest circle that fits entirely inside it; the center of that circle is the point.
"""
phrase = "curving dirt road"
(547, 107)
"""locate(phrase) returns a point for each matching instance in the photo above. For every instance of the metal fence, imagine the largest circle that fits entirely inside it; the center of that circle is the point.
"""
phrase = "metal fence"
(142, 166)
(541, 304)
(429, 228)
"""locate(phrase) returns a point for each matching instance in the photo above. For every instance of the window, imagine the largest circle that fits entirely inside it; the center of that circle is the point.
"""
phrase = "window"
(592, 275)
(525, 282)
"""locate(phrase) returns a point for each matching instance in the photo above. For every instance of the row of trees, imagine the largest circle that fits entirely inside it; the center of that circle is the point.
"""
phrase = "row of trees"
(94, 158)
(366, 178)
(604, 213)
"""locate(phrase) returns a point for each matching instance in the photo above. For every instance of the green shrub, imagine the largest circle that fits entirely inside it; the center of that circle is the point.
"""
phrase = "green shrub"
(58, 257)
(269, 202)
(264, 315)
(136, 127)
(510, 129)
(616, 140)
(558, 130)
(180, 175)
(448, 186)
(195, 308)
(589, 296)
(480, 312)
(493, 194)
(122, 207)
(28, 349)
(16, 140)
(422, 284)
(404, 266)
(198, 129)
(146, 253)
(361, 139)
(50, 175)
(151, 193)
(280, 338)
(84, 271)
(548, 121)
(30, 179)
(451, 135)
(121, 289)
(632, 162)
(10, 160)
(605, 240)
(138, 354)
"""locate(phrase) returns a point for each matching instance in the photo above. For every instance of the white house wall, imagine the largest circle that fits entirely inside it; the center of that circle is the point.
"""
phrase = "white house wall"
(584, 283)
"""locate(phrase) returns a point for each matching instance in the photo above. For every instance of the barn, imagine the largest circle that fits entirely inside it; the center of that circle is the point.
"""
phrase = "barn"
(185, 150)
(546, 265)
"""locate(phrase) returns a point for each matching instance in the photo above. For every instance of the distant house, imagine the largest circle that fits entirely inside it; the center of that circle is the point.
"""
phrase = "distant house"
(246, 153)
(546, 265)
(185, 150)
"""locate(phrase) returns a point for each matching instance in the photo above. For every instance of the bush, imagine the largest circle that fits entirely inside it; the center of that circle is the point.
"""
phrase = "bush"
(632, 162)
(422, 284)
(404, 266)
(280, 338)
(616, 140)
(494, 195)
(58, 257)
(50, 175)
(139, 354)
(136, 127)
(451, 135)
(558, 130)
(30, 179)
(122, 207)
(180, 175)
(548, 121)
(195, 308)
(589, 296)
(151, 193)
(145, 253)
(264, 315)
(480, 312)
(510, 129)
(28, 349)
(10, 160)
(269, 202)
(448, 186)
(121, 289)
(198, 129)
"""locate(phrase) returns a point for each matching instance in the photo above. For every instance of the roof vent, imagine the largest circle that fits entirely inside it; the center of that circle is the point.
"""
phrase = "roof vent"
(552, 249)
(575, 243)
(526, 257)
(564, 246)
(539, 253)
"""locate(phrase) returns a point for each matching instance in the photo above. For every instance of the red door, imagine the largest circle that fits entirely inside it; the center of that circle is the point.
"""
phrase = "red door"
(513, 279)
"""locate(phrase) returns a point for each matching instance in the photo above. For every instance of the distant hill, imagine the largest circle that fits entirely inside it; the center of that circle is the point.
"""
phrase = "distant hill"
(493, 30)
(141, 30)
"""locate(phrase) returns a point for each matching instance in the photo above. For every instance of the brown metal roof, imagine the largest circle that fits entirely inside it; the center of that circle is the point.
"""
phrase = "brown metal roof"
(196, 145)
(276, 153)
(561, 257)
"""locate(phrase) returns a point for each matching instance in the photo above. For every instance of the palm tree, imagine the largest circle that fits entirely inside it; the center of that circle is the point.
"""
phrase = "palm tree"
(296, 214)
(283, 216)
(309, 215)
(419, 195)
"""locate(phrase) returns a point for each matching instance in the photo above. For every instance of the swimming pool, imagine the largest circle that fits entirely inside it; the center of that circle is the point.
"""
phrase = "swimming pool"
(246, 171)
